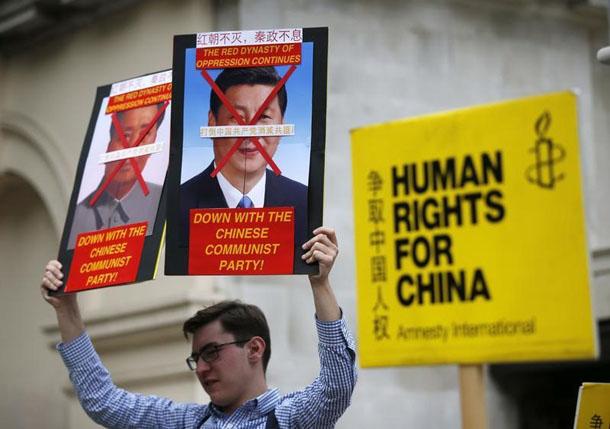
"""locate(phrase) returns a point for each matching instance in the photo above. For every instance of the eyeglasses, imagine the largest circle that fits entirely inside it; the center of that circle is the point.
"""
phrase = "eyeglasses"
(209, 353)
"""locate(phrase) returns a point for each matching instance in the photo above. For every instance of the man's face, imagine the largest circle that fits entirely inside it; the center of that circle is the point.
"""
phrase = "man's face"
(133, 122)
(226, 379)
(246, 99)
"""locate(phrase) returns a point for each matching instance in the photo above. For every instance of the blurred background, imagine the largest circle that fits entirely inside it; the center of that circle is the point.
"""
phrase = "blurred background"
(388, 59)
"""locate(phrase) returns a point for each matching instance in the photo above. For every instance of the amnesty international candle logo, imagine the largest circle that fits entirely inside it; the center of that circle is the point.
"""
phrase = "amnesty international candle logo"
(457, 258)
(548, 154)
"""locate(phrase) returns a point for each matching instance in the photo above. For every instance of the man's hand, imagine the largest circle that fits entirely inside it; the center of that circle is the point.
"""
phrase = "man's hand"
(66, 306)
(52, 281)
(323, 248)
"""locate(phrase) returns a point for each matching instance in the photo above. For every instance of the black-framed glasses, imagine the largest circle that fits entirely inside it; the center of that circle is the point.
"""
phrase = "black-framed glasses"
(209, 353)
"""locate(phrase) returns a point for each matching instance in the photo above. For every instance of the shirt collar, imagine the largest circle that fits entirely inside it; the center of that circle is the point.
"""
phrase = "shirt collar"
(128, 208)
(263, 404)
(233, 195)
(266, 402)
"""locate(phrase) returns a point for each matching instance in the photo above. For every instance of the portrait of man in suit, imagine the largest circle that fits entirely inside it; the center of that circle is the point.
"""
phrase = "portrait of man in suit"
(245, 180)
(123, 200)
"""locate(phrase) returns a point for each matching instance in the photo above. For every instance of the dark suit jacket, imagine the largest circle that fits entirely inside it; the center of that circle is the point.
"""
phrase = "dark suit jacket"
(203, 191)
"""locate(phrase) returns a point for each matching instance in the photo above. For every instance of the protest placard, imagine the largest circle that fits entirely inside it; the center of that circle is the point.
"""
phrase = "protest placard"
(116, 218)
(248, 134)
(593, 407)
(470, 236)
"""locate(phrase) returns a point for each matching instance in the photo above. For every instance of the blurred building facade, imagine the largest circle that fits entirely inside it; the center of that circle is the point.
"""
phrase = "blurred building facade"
(388, 59)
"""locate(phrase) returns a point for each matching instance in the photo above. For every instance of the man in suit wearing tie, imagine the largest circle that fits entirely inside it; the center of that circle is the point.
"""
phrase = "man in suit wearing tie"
(123, 201)
(245, 181)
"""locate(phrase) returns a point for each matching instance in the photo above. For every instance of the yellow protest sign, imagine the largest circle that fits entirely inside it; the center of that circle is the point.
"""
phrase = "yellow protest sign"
(593, 410)
(470, 236)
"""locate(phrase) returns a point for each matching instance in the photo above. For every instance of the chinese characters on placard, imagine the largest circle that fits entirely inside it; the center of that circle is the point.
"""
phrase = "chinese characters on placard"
(596, 422)
(378, 263)
(247, 130)
(293, 35)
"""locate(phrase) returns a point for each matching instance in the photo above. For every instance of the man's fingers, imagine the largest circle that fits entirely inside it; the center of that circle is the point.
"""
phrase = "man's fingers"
(321, 247)
(322, 258)
(55, 268)
(53, 273)
(52, 276)
(48, 284)
(329, 232)
(328, 240)
(50, 299)
(53, 264)
(45, 294)
(52, 279)
(322, 253)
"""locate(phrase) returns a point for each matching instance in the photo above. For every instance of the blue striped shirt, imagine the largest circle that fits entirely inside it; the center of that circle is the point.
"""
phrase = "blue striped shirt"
(319, 405)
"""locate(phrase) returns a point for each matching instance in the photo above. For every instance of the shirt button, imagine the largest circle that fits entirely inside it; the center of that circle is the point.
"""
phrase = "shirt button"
(230, 425)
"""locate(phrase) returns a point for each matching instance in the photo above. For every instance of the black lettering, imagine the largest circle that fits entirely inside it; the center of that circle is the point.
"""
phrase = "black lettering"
(443, 179)
(408, 300)
(479, 286)
(400, 180)
(440, 287)
(423, 288)
(434, 223)
(415, 211)
(401, 216)
(455, 286)
(419, 259)
(494, 168)
(469, 172)
(401, 251)
(422, 187)
(449, 211)
(472, 198)
(442, 246)
(494, 202)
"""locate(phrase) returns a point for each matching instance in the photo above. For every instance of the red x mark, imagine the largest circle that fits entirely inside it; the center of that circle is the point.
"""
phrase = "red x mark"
(125, 145)
(253, 121)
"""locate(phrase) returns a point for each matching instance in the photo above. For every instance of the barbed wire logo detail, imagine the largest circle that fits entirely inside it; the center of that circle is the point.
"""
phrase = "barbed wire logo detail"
(548, 155)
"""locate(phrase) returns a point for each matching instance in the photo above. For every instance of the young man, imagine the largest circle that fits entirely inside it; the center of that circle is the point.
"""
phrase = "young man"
(245, 175)
(123, 201)
(230, 351)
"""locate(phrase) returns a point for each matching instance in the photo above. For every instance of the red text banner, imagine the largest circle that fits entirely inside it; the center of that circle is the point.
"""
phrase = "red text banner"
(248, 56)
(241, 241)
(140, 98)
(107, 257)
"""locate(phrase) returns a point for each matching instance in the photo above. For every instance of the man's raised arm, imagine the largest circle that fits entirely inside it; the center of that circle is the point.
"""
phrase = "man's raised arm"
(322, 402)
(104, 402)
(323, 248)
(66, 308)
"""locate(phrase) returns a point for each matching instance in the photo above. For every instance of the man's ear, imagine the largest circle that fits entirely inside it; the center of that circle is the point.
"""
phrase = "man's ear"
(256, 348)
(211, 119)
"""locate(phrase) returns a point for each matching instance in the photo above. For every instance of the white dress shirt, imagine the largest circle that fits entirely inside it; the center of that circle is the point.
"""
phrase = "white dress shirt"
(233, 195)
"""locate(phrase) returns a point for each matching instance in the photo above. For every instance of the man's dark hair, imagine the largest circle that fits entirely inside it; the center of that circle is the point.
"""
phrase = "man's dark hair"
(120, 114)
(247, 76)
(242, 320)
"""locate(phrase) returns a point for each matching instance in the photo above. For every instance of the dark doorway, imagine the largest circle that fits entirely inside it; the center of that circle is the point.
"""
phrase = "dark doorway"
(545, 394)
